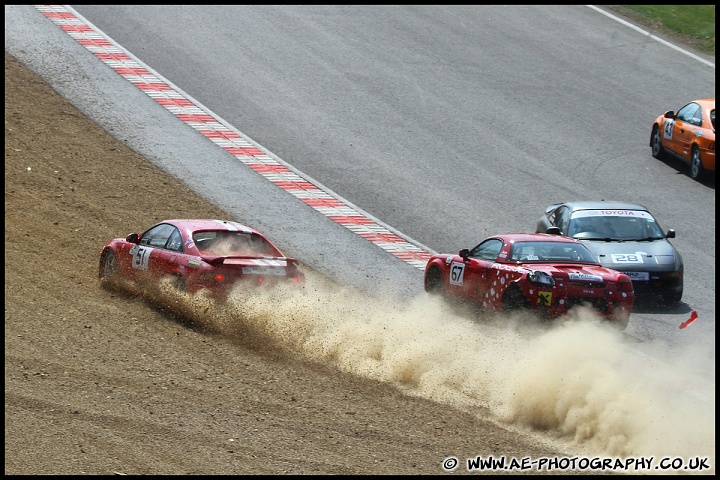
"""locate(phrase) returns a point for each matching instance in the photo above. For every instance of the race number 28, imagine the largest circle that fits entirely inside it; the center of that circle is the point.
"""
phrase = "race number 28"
(627, 258)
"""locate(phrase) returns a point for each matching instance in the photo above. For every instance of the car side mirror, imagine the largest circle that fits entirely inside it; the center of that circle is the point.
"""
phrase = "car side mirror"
(132, 238)
(670, 114)
(553, 231)
(670, 233)
(464, 253)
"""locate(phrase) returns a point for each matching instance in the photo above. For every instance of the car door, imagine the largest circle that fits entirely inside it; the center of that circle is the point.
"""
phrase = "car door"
(678, 132)
(476, 273)
(554, 218)
(561, 218)
(147, 254)
(166, 259)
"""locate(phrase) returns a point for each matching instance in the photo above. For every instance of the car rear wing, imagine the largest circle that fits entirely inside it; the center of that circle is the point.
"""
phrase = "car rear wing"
(216, 261)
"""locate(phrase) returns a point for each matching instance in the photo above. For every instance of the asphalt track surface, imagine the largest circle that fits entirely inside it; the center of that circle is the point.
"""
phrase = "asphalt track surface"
(440, 124)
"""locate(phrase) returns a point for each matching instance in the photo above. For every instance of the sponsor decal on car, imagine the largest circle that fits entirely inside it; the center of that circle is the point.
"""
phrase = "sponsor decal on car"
(642, 276)
(612, 213)
(544, 299)
(279, 271)
(194, 263)
(585, 277)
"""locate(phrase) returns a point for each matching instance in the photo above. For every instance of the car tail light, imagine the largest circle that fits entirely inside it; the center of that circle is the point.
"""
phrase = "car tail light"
(669, 276)
(210, 277)
(625, 284)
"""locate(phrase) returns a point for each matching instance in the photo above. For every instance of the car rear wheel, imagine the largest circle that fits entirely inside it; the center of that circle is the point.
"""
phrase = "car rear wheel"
(696, 167)
(656, 143)
(620, 317)
(672, 299)
(108, 265)
(621, 323)
(179, 284)
(434, 282)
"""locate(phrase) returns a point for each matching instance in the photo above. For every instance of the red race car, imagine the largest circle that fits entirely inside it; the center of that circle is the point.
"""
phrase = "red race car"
(198, 254)
(545, 273)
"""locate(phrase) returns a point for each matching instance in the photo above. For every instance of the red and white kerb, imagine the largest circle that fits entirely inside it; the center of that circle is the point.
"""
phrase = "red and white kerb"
(248, 153)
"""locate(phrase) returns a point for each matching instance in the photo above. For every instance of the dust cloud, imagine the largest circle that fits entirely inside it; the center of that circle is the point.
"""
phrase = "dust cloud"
(579, 383)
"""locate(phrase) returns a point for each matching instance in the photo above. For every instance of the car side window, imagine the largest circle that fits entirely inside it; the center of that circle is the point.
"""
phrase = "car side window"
(687, 113)
(697, 118)
(157, 236)
(175, 242)
(562, 215)
(488, 250)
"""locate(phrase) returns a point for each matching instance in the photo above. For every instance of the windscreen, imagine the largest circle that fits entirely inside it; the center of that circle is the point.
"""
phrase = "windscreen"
(614, 225)
(556, 252)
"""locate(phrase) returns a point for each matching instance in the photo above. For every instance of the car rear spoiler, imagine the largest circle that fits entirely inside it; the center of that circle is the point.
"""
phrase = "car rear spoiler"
(216, 261)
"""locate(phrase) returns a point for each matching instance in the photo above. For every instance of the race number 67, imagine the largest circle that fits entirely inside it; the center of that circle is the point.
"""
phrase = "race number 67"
(456, 273)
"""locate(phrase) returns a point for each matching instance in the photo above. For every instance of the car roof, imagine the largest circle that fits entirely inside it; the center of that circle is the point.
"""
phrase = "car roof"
(600, 205)
(706, 102)
(195, 224)
(534, 237)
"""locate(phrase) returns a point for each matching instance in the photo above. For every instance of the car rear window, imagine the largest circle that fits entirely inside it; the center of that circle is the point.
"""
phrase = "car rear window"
(232, 243)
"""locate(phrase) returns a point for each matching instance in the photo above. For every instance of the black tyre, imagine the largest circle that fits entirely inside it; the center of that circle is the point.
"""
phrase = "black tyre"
(620, 318)
(179, 283)
(658, 151)
(434, 282)
(621, 323)
(514, 299)
(672, 299)
(108, 265)
(697, 171)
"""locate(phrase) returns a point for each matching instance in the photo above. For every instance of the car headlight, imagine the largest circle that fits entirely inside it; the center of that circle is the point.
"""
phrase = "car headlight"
(541, 278)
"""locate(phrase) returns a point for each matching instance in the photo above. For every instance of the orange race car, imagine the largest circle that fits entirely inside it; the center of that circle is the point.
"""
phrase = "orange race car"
(688, 135)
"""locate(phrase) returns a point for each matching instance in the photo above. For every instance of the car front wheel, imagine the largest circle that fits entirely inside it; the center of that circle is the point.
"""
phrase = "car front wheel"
(434, 282)
(696, 167)
(514, 299)
(656, 143)
(108, 265)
